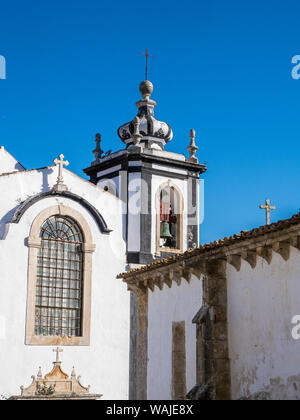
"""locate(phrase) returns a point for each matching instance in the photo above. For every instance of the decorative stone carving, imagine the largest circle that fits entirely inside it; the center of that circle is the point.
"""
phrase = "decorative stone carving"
(250, 257)
(56, 385)
(235, 261)
(60, 163)
(154, 133)
(295, 242)
(98, 151)
(136, 136)
(282, 248)
(192, 148)
(265, 252)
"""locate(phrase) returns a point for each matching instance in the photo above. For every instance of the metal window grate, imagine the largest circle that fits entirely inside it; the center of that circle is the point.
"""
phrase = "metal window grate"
(58, 309)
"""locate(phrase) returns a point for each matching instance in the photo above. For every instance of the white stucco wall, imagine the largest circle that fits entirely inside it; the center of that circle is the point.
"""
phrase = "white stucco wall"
(165, 307)
(8, 163)
(134, 212)
(261, 305)
(104, 364)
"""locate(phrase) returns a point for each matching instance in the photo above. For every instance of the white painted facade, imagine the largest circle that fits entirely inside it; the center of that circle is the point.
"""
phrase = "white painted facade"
(176, 304)
(8, 163)
(134, 211)
(261, 304)
(105, 363)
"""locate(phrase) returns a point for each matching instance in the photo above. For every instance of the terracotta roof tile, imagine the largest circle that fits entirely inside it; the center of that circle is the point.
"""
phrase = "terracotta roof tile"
(239, 237)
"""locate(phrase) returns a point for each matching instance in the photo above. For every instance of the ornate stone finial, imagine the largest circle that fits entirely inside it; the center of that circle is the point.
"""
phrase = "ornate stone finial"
(56, 385)
(57, 351)
(146, 89)
(268, 209)
(60, 163)
(192, 148)
(155, 134)
(136, 136)
(40, 374)
(98, 151)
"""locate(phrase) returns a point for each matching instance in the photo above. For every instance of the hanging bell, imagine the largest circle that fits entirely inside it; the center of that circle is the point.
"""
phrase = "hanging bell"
(165, 230)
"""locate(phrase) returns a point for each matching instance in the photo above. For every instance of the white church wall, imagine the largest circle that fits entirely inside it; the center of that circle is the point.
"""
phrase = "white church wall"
(134, 209)
(165, 307)
(104, 364)
(113, 185)
(261, 305)
(8, 163)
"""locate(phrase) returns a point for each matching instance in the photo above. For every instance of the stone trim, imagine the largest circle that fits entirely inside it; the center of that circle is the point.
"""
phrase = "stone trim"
(34, 243)
(160, 250)
(214, 368)
(141, 342)
(213, 364)
(178, 361)
(144, 158)
(247, 249)
(65, 194)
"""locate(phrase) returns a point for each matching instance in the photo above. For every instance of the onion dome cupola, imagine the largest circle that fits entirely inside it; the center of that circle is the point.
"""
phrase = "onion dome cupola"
(145, 129)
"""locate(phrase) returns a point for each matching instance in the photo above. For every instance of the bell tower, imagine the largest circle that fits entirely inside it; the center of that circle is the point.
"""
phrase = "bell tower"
(159, 189)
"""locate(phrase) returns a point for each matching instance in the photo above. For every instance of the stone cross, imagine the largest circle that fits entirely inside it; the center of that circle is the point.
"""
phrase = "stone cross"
(60, 163)
(268, 209)
(57, 351)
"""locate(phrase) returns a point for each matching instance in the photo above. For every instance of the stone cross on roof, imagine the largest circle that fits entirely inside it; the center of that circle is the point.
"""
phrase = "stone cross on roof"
(268, 209)
(56, 385)
(57, 351)
(60, 163)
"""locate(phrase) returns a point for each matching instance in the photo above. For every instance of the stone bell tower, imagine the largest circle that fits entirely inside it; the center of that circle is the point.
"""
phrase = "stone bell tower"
(159, 189)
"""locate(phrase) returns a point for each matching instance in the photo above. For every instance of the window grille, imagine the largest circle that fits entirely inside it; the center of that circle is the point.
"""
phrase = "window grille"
(59, 285)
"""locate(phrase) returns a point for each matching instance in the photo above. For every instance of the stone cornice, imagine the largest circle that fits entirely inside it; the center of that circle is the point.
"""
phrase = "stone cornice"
(183, 266)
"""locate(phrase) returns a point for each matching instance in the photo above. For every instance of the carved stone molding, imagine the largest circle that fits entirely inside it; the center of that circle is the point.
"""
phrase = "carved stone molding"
(282, 248)
(56, 385)
(235, 261)
(265, 252)
(295, 242)
(250, 256)
(34, 243)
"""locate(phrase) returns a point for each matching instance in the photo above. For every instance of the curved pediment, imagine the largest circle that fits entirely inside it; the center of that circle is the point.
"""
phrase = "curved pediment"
(66, 194)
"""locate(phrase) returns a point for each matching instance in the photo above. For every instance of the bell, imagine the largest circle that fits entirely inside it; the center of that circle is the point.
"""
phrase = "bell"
(165, 230)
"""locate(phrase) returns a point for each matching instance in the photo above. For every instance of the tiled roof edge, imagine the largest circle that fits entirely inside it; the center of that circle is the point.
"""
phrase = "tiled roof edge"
(230, 240)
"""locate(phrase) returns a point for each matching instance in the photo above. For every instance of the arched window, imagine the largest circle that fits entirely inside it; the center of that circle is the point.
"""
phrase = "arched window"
(170, 219)
(59, 281)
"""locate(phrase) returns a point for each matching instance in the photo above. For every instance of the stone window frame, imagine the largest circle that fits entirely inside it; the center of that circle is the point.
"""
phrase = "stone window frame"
(34, 244)
(159, 249)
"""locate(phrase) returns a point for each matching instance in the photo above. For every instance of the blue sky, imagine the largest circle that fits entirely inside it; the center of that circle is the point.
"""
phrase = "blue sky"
(222, 68)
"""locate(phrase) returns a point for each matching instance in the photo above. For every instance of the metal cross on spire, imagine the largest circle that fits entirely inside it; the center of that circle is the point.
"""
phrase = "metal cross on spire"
(268, 209)
(147, 55)
(57, 351)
